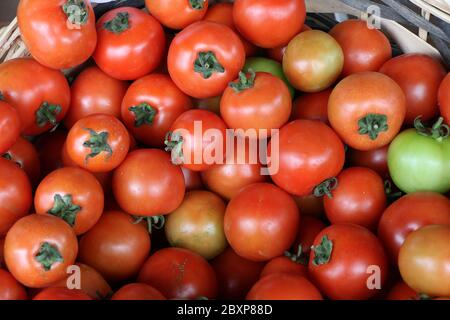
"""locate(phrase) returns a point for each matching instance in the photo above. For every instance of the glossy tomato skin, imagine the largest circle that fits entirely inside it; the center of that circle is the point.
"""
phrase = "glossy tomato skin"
(179, 274)
(9, 126)
(148, 184)
(61, 293)
(49, 93)
(375, 159)
(309, 153)
(408, 214)
(359, 98)
(444, 98)
(177, 14)
(284, 265)
(10, 288)
(312, 106)
(198, 39)
(166, 102)
(259, 21)
(133, 52)
(137, 291)
(360, 56)
(401, 291)
(37, 236)
(261, 222)
(52, 38)
(25, 155)
(284, 287)
(15, 194)
(419, 76)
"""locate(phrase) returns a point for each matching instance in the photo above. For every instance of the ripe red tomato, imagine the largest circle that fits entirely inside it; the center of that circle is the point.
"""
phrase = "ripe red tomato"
(419, 76)
(131, 43)
(367, 110)
(260, 21)
(401, 291)
(41, 103)
(308, 230)
(375, 159)
(24, 154)
(116, 246)
(261, 222)
(204, 58)
(444, 98)
(137, 291)
(361, 56)
(60, 34)
(38, 250)
(179, 274)
(9, 126)
(49, 146)
(177, 14)
(309, 153)
(410, 213)
(341, 261)
(192, 179)
(312, 106)
(61, 293)
(150, 107)
(15, 194)
(10, 288)
(284, 287)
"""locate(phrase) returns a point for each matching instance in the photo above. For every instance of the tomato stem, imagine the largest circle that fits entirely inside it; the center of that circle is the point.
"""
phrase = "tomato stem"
(388, 190)
(98, 142)
(244, 81)
(322, 252)
(76, 12)
(207, 63)
(299, 257)
(197, 4)
(438, 131)
(156, 222)
(326, 187)
(64, 208)
(372, 125)
(47, 113)
(48, 255)
(118, 24)
(143, 114)
(174, 144)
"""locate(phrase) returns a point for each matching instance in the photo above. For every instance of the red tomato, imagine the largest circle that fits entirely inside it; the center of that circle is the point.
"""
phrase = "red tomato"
(192, 179)
(2, 247)
(42, 102)
(150, 107)
(308, 230)
(204, 58)
(344, 258)
(267, 23)
(410, 213)
(177, 14)
(419, 76)
(179, 274)
(60, 34)
(61, 293)
(375, 159)
(137, 291)
(9, 126)
(10, 288)
(367, 110)
(24, 154)
(49, 146)
(309, 153)
(131, 43)
(401, 291)
(444, 98)
(277, 53)
(312, 106)
(288, 264)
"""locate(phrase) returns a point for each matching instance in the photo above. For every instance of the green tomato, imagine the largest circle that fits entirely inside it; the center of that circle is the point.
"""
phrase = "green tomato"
(270, 66)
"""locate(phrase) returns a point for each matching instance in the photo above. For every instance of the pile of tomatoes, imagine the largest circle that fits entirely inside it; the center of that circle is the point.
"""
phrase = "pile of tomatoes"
(99, 198)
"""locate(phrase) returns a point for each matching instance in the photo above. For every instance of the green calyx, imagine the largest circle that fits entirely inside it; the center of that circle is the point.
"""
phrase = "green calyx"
(372, 125)
(322, 252)
(325, 188)
(7, 156)
(143, 114)
(392, 196)
(98, 142)
(64, 208)
(76, 12)
(206, 64)
(174, 144)
(244, 82)
(118, 24)
(153, 222)
(299, 257)
(47, 113)
(439, 131)
(197, 4)
(48, 255)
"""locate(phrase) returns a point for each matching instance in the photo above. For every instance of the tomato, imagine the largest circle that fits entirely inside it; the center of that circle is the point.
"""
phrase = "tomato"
(401, 291)
(419, 76)
(343, 260)
(60, 34)
(424, 259)
(204, 57)
(98, 143)
(42, 102)
(49, 146)
(131, 43)
(375, 159)
(179, 274)
(313, 61)
(295, 264)
(277, 53)
(260, 21)
(310, 205)
(312, 106)
(419, 159)
(15, 194)
(61, 293)
(284, 287)
(261, 222)
(116, 246)
(24, 154)
(360, 56)
(137, 291)
(148, 184)
(444, 98)
(197, 140)
(2, 247)
(38, 250)
(235, 275)
(9, 126)
(309, 153)
(367, 110)
(10, 288)
(197, 224)
(192, 179)
(410, 213)
(150, 107)
(358, 198)
(307, 231)
(177, 14)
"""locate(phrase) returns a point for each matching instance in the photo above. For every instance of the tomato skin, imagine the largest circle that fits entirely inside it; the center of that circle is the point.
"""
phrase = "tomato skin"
(15, 194)
(161, 94)
(51, 38)
(361, 56)
(284, 265)
(2, 249)
(309, 153)
(61, 293)
(24, 154)
(259, 21)
(444, 98)
(310, 205)
(401, 291)
(192, 179)
(277, 53)
(25, 240)
(9, 126)
(410, 213)
(308, 230)
(48, 86)
(134, 52)
(375, 159)
(356, 98)
(179, 274)
(176, 14)
(419, 76)
(10, 288)
(284, 287)
(312, 106)
(205, 36)
(137, 291)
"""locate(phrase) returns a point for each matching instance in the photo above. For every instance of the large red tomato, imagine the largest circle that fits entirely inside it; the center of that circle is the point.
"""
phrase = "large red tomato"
(444, 98)
(137, 291)
(177, 14)
(312, 106)
(61, 293)
(9, 126)
(24, 154)
(10, 288)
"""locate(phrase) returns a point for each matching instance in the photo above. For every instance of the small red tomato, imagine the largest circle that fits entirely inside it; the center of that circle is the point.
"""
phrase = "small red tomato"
(24, 154)
(10, 288)
(9, 126)
(61, 293)
(312, 106)
(137, 291)
(444, 98)
(177, 14)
